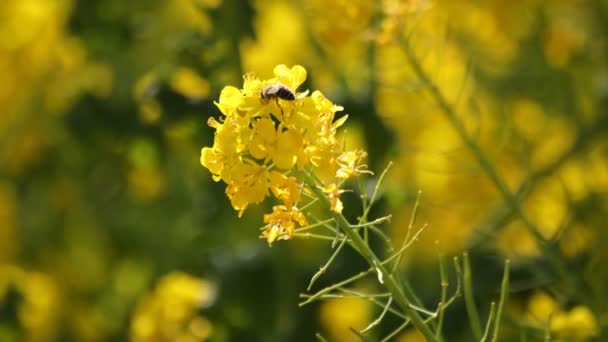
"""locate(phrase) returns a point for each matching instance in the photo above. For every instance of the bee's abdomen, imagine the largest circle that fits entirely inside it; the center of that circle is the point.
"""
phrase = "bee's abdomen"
(277, 91)
(285, 94)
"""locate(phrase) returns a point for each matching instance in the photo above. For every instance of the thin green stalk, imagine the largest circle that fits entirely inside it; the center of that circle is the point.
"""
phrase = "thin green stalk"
(404, 248)
(387, 279)
(547, 336)
(382, 305)
(394, 333)
(486, 332)
(351, 294)
(377, 321)
(310, 226)
(458, 287)
(324, 268)
(372, 226)
(372, 199)
(332, 287)
(444, 294)
(410, 226)
(367, 205)
(368, 297)
(380, 220)
(360, 335)
(504, 293)
(320, 337)
(314, 236)
(319, 294)
(469, 300)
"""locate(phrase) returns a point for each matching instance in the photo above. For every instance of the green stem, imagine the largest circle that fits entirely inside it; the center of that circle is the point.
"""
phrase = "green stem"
(469, 300)
(504, 292)
(410, 226)
(486, 332)
(388, 279)
(444, 294)
(324, 268)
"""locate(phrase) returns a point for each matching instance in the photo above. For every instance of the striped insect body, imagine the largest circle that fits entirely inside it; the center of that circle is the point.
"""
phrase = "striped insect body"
(277, 91)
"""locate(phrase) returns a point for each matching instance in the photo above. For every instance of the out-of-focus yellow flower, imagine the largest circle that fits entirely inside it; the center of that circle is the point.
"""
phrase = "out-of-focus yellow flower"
(597, 165)
(340, 315)
(558, 135)
(273, 46)
(529, 119)
(515, 241)
(547, 206)
(150, 111)
(145, 183)
(39, 306)
(565, 36)
(190, 14)
(145, 178)
(342, 22)
(577, 239)
(343, 29)
(574, 177)
(170, 313)
(411, 335)
(186, 82)
(541, 306)
(577, 324)
(396, 14)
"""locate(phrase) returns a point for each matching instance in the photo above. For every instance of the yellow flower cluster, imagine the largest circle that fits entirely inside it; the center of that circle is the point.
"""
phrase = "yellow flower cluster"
(268, 134)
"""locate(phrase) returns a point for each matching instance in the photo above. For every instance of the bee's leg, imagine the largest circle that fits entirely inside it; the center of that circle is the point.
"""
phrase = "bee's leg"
(280, 108)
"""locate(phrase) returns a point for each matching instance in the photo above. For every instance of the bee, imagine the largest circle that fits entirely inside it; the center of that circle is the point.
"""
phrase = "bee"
(277, 91)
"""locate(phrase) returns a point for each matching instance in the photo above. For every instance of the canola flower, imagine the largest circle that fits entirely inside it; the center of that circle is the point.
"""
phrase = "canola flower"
(265, 146)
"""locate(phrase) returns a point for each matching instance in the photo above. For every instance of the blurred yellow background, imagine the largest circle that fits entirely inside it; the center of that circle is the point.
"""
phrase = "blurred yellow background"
(110, 229)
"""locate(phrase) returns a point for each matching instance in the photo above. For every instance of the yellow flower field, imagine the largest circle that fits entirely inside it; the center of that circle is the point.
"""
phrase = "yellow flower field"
(289, 170)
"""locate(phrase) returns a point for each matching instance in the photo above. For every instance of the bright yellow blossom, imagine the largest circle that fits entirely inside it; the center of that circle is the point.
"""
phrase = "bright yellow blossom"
(264, 144)
(282, 223)
(333, 193)
(285, 188)
(350, 164)
(248, 185)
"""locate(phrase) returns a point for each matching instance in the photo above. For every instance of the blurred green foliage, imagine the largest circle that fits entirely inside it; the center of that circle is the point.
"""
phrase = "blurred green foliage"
(110, 229)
